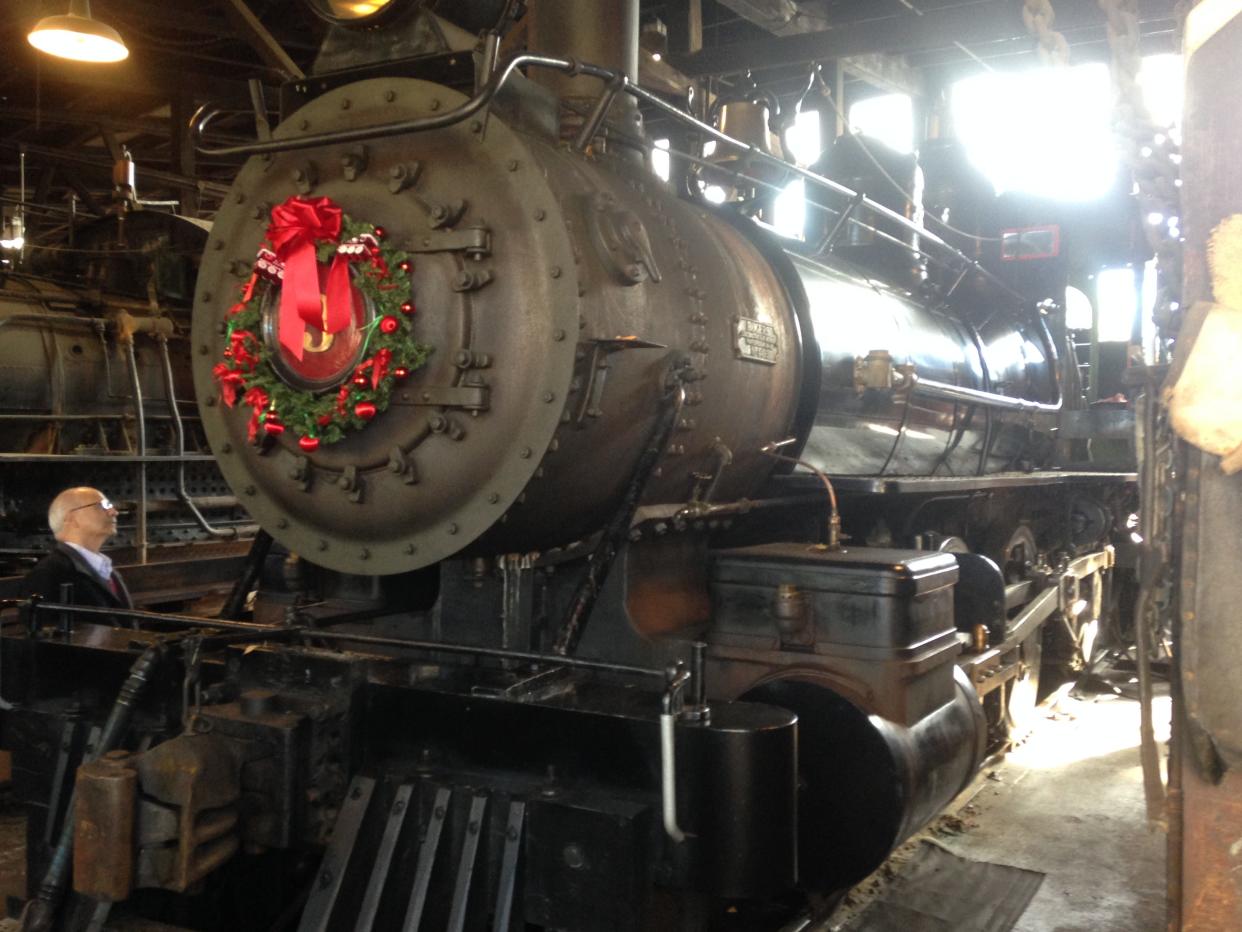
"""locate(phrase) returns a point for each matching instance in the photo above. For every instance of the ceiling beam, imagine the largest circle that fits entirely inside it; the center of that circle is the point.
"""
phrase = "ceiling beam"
(152, 78)
(145, 174)
(969, 24)
(259, 39)
(147, 126)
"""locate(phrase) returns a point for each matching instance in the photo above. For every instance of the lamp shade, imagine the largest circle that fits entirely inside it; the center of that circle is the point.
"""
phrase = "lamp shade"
(77, 36)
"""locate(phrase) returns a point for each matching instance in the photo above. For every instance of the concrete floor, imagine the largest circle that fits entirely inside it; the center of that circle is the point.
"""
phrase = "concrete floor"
(1068, 803)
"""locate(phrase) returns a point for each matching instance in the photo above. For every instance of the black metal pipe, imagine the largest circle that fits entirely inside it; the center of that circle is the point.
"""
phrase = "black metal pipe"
(618, 529)
(236, 601)
(551, 660)
(186, 621)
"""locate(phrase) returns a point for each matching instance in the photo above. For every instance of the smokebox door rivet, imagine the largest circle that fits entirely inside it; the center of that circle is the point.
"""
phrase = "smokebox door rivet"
(493, 498)
(323, 545)
(390, 96)
(345, 104)
(410, 548)
(435, 104)
(452, 528)
(282, 522)
(556, 271)
(226, 448)
(364, 553)
(305, 124)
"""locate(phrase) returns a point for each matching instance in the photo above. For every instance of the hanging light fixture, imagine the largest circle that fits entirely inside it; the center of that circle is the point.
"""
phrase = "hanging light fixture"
(78, 37)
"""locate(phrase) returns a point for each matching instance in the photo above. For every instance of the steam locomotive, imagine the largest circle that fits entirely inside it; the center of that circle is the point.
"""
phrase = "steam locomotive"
(695, 566)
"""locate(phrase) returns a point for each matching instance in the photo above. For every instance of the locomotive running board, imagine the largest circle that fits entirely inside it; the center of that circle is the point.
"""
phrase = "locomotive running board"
(917, 485)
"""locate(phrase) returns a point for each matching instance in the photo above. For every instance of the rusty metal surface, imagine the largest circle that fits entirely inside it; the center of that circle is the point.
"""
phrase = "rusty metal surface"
(188, 818)
(1210, 586)
(1211, 874)
(1206, 836)
(103, 847)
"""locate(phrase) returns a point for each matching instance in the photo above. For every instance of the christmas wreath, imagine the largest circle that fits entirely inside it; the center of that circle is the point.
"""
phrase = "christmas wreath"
(305, 236)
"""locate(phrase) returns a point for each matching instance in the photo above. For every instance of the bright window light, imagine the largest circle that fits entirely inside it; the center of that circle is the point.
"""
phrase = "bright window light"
(1078, 311)
(789, 212)
(1046, 131)
(659, 159)
(805, 139)
(1118, 304)
(1161, 79)
(715, 193)
(888, 118)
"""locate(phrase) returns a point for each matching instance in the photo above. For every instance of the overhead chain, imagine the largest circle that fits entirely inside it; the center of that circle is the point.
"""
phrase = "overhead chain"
(1038, 16)
(1153, 156)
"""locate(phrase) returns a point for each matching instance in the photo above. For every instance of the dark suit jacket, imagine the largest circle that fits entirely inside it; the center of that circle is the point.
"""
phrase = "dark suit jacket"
(65, 565)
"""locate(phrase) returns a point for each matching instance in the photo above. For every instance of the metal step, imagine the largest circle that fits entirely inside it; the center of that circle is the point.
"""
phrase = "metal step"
(418, 856)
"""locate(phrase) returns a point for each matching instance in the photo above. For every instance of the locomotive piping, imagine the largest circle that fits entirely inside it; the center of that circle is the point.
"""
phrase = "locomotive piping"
(205, 114)
(142, 452)
(677, 680)
(943, 391)
(179, 429)
(601, 559)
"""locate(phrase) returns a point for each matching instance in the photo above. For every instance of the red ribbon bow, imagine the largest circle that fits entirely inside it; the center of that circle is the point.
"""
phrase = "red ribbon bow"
(297, 226)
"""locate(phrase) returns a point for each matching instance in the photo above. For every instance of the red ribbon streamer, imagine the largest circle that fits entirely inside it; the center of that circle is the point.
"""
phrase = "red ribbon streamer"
(380, 369)
(258, 400)
(297, 225)
(231, 382)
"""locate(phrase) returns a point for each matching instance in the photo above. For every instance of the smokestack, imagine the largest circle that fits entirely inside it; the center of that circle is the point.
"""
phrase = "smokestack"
(601, 32)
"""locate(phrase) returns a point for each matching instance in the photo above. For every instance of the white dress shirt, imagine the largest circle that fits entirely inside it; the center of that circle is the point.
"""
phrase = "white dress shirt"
(102, 565)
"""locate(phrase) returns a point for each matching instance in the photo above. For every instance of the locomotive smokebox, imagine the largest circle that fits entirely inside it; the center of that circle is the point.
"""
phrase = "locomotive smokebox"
(558, 294)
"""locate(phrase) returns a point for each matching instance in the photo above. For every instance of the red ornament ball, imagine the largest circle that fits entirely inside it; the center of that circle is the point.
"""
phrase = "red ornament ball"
(389, 324)
(361, 380)
(407, 308)
(380, 232)
(401, 373)
(365, 410)
(309, 444)
(405, 265)
(273, 427)
(325, 420)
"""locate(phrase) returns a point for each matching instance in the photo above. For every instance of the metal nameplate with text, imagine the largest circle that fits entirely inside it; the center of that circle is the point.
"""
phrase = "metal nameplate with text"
(755, 340)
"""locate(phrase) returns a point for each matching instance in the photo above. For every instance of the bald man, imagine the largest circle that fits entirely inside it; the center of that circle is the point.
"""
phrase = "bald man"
(82, 521)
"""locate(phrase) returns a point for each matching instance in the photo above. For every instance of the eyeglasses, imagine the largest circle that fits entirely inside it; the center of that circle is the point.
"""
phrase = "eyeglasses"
(102, 503)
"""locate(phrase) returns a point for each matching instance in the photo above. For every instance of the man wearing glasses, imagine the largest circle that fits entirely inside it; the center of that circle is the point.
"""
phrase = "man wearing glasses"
(82, 520)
